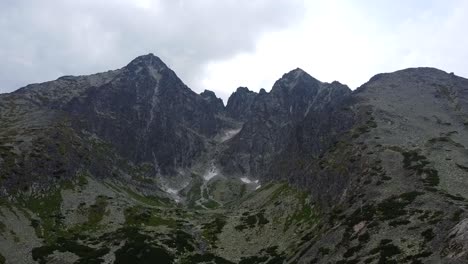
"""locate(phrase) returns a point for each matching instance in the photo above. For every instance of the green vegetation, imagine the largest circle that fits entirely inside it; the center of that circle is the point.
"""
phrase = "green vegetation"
(324, 251)
(457, 215)
(243, 190)
(303, 214)
(251, 221)
(67, 185)
(205, 258)
(2, 228)
(97, 210)
(82, 180)
(148, 200)
(139, 249)
(9, 159)
(86, 254)
(365, 128)
(412, 160)
(181, 241)
(394, 206)
(268, 255)
(364, 238)
(100, 150)
(138, 215)
(211, 204)
(386, 250)
(431, 217)
(428, 234)
(390, 208)
(445, 139)
(194, 193)
(351, 251)
(47, 207)
(212, 229)
(457, 197)
(399, 223)
(253, 260)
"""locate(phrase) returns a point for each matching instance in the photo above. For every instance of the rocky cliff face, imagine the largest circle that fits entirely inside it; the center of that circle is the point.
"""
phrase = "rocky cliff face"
(216, 104)
(143, 111)
(239, 103)
(132, 165)
(149, 115)
(277, 120)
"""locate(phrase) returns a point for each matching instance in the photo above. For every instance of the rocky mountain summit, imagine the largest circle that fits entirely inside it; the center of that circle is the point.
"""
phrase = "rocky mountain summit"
(132, 166)
(274, 118)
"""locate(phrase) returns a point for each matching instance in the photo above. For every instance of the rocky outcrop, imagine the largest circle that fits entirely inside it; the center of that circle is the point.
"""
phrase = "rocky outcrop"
(216, 104)
(278, 118)
(239, 104)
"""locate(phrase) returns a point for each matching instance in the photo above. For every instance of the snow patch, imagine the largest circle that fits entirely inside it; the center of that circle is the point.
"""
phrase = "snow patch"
(213, 171)
(256, 183)
(245, 180)
(172, 191)
(228, 134)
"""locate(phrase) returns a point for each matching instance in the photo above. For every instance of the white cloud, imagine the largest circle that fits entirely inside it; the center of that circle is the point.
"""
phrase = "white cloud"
(41, 40)
(340, 41)
(220, 45)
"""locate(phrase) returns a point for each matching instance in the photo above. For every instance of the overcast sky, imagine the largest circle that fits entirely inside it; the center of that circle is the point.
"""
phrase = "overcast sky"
(222, 44)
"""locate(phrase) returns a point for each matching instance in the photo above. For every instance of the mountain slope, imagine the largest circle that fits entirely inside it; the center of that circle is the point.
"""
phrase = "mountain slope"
(131, 165)
(393, 174)
(142, 111)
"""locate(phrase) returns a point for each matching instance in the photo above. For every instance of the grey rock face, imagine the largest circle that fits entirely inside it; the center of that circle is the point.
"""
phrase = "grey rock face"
(277, 118)
(143, 111)
(38, 147)
(216, 104)
(149, 115)
(239, 103)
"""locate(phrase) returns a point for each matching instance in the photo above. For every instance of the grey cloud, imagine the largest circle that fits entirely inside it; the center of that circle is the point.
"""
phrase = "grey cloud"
(42, 40)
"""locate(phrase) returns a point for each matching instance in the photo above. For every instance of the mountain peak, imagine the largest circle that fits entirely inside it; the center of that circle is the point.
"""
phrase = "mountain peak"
(298, 73)
(295, 73)
(146, 61)
(238, 105)
(216, 104)
(419, 72)
(150, 66)
(242, 89)
(294, 78)
(208, 93)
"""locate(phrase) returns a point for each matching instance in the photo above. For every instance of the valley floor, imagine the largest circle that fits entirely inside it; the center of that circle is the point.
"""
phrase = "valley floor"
(92, 221)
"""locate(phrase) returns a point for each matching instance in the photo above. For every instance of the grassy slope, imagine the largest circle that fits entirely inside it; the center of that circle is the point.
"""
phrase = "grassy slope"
(96, 220)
